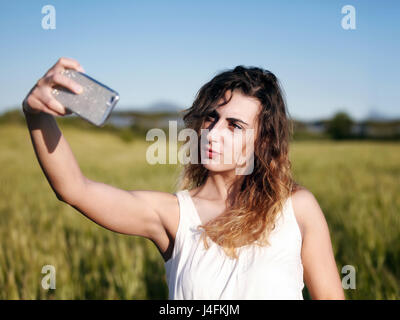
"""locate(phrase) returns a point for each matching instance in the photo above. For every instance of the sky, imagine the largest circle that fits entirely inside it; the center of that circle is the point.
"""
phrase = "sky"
(164, 51)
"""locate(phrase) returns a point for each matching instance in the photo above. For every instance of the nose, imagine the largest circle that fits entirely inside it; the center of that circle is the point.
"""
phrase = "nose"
(215, 132)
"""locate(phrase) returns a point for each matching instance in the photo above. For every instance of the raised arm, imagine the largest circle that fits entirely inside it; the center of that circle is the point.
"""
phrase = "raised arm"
(51, 148)
(142, 213)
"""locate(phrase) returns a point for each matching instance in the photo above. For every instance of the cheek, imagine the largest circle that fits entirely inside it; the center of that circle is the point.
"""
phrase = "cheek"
(235, 144)
(243, 144)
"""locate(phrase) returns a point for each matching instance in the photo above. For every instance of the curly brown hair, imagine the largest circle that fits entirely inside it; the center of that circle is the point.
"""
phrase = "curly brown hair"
(254, 200)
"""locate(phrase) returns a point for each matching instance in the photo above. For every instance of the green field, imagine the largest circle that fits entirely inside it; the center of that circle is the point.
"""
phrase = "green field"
(357, 185)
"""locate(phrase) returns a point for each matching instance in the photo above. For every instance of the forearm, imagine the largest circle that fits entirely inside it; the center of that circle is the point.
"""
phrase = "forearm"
(54, 155)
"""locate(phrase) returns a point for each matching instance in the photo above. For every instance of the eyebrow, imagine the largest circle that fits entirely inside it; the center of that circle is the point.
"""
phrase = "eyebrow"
(215, 113)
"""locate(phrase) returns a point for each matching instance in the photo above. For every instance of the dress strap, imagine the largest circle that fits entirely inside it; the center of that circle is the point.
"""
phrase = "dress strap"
(187, 208)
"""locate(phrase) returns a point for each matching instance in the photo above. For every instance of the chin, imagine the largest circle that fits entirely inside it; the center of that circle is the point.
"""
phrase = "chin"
(215, 167)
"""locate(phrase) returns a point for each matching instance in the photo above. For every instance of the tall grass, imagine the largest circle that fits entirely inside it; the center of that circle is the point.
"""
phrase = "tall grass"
(356, 184)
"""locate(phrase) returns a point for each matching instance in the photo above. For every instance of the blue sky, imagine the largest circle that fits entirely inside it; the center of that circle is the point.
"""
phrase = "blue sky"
(152, 51)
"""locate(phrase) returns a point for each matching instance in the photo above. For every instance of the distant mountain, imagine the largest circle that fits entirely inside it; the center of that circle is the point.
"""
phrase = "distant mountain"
(157, 107)
(375, 115)
(163, 106)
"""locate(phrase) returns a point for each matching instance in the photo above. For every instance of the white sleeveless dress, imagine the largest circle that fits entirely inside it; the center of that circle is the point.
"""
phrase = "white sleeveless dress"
(272, 272)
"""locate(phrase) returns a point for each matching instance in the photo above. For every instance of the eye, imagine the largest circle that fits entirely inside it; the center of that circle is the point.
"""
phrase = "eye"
(235, 126)
(209, 118)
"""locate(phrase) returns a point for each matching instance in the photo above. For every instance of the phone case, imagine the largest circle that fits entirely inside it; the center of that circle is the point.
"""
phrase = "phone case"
(94, 104)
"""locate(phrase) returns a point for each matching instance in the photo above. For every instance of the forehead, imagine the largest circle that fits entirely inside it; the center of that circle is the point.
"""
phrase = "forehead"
(241, 107)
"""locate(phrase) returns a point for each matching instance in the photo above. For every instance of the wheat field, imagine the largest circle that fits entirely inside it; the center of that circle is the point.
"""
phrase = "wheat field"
(357, 185)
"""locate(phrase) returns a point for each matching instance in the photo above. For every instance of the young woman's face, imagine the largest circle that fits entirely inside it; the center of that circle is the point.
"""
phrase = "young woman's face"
(228, 134)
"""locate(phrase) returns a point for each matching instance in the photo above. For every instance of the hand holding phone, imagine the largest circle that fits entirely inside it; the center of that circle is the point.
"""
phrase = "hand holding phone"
(93, 104)
(57, 93)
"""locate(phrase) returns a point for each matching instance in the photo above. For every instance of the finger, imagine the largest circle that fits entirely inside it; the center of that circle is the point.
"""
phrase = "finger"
(39, 105)
(51, 103)
(54, 113)
(32, 105)
(69, 63)
(66, 82)
(80, 68)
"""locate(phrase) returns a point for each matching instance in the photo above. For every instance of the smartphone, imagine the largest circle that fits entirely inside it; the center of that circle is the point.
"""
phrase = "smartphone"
(94, 104)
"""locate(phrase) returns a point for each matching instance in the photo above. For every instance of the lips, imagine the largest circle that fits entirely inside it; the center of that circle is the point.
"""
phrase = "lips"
(212, 151)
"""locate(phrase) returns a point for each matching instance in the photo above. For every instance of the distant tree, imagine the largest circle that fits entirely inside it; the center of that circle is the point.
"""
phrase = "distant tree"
(12, 116)
(339, 127)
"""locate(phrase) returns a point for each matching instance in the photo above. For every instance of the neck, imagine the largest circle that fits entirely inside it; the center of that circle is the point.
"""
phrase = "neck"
(216, 186)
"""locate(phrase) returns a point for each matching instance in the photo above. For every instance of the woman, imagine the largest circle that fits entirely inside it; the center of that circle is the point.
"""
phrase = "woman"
(261, 232)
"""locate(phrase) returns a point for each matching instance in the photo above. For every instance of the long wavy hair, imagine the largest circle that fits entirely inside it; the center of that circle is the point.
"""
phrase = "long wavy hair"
(254, 200)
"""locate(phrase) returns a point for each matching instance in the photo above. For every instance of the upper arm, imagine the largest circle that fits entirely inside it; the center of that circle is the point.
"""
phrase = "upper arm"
(320, 271)
(128, 212)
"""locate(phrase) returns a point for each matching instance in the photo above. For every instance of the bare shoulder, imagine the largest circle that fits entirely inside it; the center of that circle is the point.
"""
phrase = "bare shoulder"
(306, 209)
(320, 269)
